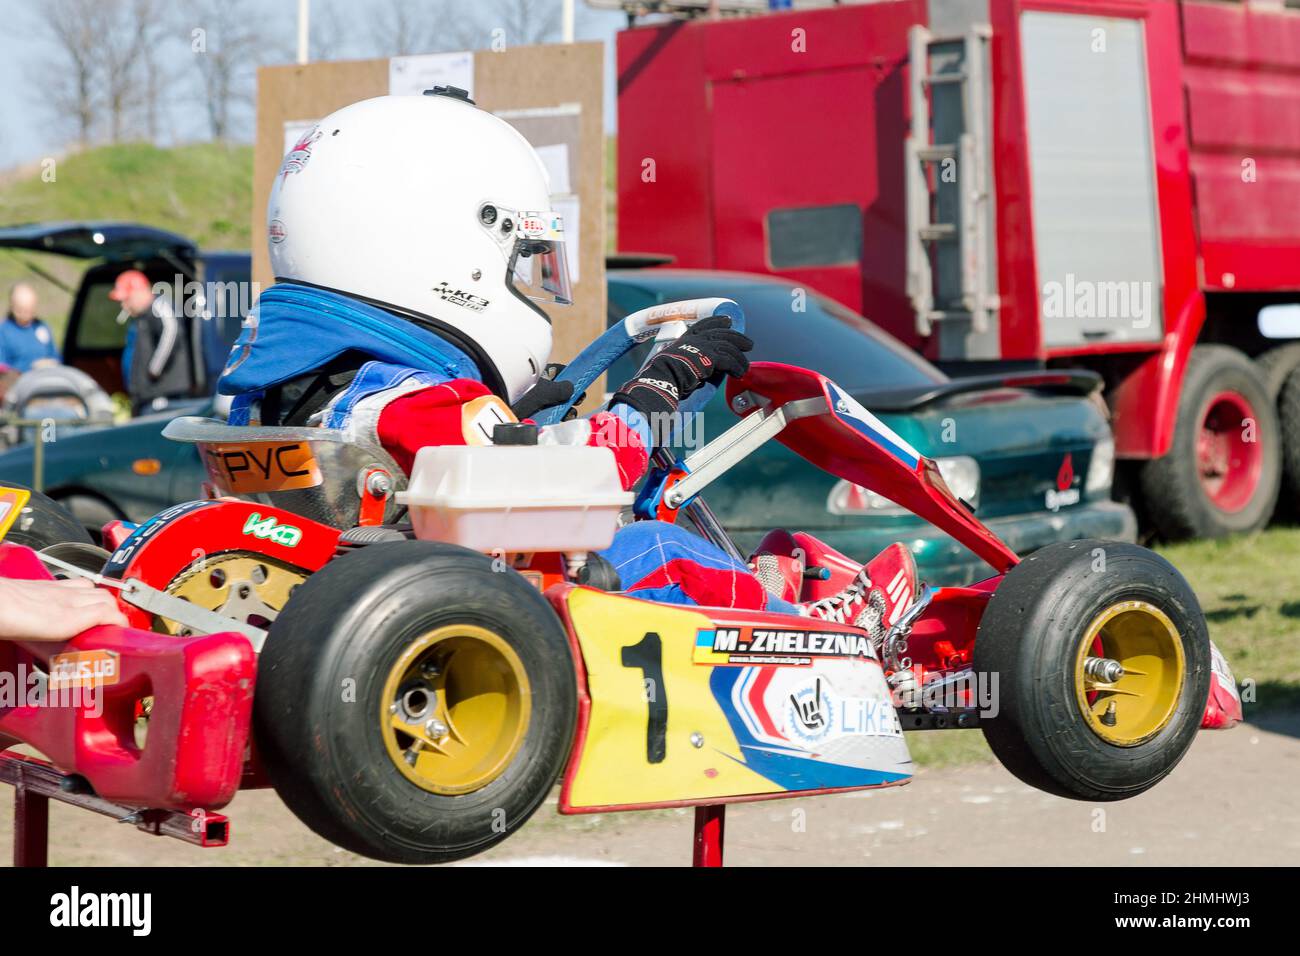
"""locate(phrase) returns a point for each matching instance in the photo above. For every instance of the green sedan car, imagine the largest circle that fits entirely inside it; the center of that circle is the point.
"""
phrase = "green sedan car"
(1031, 452)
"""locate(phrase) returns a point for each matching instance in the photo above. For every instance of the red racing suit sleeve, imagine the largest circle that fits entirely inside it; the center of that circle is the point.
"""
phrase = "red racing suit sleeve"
(435, 416)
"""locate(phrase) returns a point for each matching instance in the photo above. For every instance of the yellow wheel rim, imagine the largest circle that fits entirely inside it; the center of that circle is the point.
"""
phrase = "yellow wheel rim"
(455, 709)
(1129, 673)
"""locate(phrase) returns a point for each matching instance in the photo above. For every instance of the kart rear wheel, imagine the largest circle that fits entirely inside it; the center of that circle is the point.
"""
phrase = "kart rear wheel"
(413, 704)
(1103, 666)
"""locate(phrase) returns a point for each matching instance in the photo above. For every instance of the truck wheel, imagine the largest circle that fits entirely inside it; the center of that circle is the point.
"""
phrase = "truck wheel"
(1277, 363)
(1223, 470)
(44, 522)
(1288, 413)
(1103, 665)
(413, 704)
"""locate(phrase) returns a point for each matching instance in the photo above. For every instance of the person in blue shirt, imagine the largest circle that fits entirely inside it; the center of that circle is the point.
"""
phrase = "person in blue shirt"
(25, 341)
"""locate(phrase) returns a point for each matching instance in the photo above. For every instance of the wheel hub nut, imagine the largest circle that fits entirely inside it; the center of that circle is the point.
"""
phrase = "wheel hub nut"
(1103, 669)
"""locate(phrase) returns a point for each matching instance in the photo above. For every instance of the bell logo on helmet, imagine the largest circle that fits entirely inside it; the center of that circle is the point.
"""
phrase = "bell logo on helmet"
(541, 225)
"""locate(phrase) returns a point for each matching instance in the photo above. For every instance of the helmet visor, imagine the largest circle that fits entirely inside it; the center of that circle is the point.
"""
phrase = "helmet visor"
(539, 264)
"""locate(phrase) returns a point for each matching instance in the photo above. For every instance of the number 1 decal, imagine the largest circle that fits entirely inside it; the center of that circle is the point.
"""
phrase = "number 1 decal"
(647, 656)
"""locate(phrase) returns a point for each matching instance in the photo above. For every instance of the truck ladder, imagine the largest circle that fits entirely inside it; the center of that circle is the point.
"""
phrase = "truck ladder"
(962, 290)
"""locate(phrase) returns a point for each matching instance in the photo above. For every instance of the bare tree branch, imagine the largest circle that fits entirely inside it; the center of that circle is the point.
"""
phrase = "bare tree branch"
(525, 22)
(225, 41)
(403, 27)
(72, 82)
(153, 37)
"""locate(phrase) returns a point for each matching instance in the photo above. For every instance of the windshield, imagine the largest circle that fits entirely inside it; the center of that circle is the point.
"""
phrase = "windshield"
(825, 336)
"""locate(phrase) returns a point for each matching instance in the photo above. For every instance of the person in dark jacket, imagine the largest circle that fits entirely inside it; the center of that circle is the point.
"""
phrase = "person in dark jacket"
(157, 362)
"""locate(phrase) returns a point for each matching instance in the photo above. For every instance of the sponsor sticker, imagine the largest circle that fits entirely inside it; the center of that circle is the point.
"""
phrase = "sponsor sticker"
(268, 529)
(815, 713)
(275, 230)
(460, 297)
(84, 669)
(143, 533)
(541, 225)
(261, 466)
(747, 646)
(12, 501)
(297, 158)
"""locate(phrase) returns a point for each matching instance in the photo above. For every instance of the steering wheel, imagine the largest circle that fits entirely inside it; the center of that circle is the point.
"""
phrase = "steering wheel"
(663, 323)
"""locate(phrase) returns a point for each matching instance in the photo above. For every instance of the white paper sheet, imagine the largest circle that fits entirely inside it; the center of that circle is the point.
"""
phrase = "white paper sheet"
(412, 75)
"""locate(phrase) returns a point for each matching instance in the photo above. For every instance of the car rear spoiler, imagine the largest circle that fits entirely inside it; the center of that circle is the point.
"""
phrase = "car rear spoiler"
(1074, 381)
(637, 260)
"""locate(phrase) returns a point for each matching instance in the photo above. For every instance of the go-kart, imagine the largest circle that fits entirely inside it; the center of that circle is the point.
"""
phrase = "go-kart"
(417, 698)
(50, 396)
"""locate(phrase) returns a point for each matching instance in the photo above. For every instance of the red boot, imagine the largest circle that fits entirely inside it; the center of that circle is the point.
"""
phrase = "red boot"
(877, 597)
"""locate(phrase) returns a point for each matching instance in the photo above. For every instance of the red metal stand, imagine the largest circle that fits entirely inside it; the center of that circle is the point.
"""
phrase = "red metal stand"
(710, 826)
(36, 783)
(31, 826)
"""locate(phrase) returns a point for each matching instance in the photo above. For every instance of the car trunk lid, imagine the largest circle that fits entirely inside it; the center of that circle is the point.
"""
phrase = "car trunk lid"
(110, 241)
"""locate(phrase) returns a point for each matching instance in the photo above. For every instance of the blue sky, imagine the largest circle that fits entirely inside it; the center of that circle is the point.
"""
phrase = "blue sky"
(27, 133)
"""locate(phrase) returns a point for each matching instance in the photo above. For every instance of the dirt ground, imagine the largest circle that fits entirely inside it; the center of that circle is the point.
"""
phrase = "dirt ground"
(1233, 800)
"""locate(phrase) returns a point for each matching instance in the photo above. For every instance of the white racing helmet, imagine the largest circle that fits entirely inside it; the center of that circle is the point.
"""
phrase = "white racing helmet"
(434, 209)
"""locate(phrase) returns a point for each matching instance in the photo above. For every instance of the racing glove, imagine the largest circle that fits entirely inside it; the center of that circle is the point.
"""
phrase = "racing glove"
(706, 353)
(544, 394)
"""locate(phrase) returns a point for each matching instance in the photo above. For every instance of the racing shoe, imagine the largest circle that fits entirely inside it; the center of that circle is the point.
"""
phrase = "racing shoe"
(877, 596)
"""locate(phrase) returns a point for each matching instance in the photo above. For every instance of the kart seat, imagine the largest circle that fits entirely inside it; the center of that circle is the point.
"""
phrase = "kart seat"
(318, 473)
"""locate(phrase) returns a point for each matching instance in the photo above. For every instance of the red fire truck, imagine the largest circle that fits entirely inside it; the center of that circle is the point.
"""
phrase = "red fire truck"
(1013, 183)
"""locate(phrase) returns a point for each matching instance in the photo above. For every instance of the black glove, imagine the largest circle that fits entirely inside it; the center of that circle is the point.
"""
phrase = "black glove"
(705, 353)
(544, 394)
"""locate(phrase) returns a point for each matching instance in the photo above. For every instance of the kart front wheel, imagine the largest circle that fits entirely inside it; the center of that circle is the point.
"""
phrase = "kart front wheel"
(414, 704)
(1103, 666)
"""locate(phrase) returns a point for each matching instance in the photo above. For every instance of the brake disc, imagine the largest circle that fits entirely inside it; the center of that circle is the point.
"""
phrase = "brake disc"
(241, 585)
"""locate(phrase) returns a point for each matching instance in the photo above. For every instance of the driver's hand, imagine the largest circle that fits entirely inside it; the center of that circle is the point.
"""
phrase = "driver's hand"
(705, 353)
(545, 394)
(54, 610)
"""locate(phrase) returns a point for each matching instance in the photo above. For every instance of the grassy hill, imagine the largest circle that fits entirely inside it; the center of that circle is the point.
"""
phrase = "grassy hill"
(203, 191)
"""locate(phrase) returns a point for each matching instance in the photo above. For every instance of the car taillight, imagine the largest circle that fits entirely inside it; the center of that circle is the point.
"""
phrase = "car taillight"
(961, 474)
(1101, 467)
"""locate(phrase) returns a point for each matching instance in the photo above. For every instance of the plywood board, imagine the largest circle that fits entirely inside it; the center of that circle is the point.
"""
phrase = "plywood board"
(552, 93)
